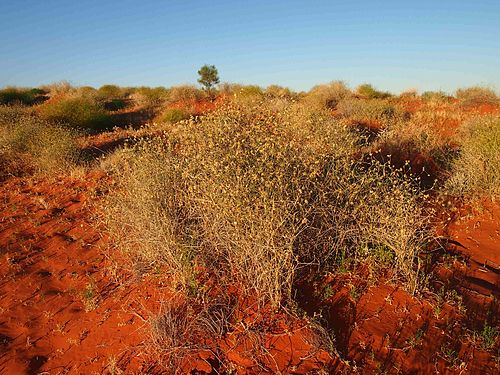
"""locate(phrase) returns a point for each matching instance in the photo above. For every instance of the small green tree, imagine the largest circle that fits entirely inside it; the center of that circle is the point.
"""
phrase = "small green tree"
(209, 77)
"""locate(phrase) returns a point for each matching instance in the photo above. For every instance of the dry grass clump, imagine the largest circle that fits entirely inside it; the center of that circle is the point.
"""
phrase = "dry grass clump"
(328, 95)
(477, 95)
(62, 88)
(33, 142)
(184, 93)
(477, 168)
(254, 194)
(150, 98)
(380, 111)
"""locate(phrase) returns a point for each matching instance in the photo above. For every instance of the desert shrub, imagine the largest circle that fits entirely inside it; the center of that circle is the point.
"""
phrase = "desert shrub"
(61, 88)
(369, 92)
(252, 194)
(36, 143)
(173, 115)
(248, 95)
(15, 95)
(77, 112)
(435, 96)
(275, 91)
(184, 93)
(328, 95)
(86, 92)
(227, 88)
(477, 168)
(476, 95)
(109, 92)
(377, 110)
(150, 98)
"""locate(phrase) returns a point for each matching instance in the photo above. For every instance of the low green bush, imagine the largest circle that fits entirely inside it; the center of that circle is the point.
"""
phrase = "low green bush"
(367, 91)
(77, 112)
(14, 95)
(173, 115)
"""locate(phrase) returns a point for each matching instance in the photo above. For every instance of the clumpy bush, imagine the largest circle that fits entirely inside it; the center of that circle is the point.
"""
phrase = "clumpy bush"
(184, 93)
(477, 169)
(34, 143)
(14, 95)
(435, 96)
(173, 115)
(476, 95)
(255, 195)
(248, 95)
(77, 112)
(150, 98)
(61, 88)
(377, 110)
(328, 95)
(369, 92)
(276, 91)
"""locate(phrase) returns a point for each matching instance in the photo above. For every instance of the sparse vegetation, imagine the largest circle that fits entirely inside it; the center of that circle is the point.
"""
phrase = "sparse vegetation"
(477, 167)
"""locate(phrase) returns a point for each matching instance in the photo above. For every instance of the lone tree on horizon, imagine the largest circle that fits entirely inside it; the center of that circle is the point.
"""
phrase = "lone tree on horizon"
(209, 77)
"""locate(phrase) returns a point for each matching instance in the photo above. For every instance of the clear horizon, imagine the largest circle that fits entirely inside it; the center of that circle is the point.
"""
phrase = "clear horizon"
(393, 45)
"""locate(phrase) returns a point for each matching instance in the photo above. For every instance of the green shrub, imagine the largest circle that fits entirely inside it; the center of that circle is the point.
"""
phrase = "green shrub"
(369, 92)
(251, 193)
(476, 95)
(476, 170)
(14, 95)
(110, 92)
(45, 147)
(328, 95)
(173, 115)
(78, 112)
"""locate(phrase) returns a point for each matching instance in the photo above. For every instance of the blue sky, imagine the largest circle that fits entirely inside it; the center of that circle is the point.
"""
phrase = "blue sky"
(394, 45)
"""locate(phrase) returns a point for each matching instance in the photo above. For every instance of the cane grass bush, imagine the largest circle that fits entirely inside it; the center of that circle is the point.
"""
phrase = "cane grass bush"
(328, 95)
(257, 196)
(380, 111)
(476, 95)
(34, 143)
(476, 170)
